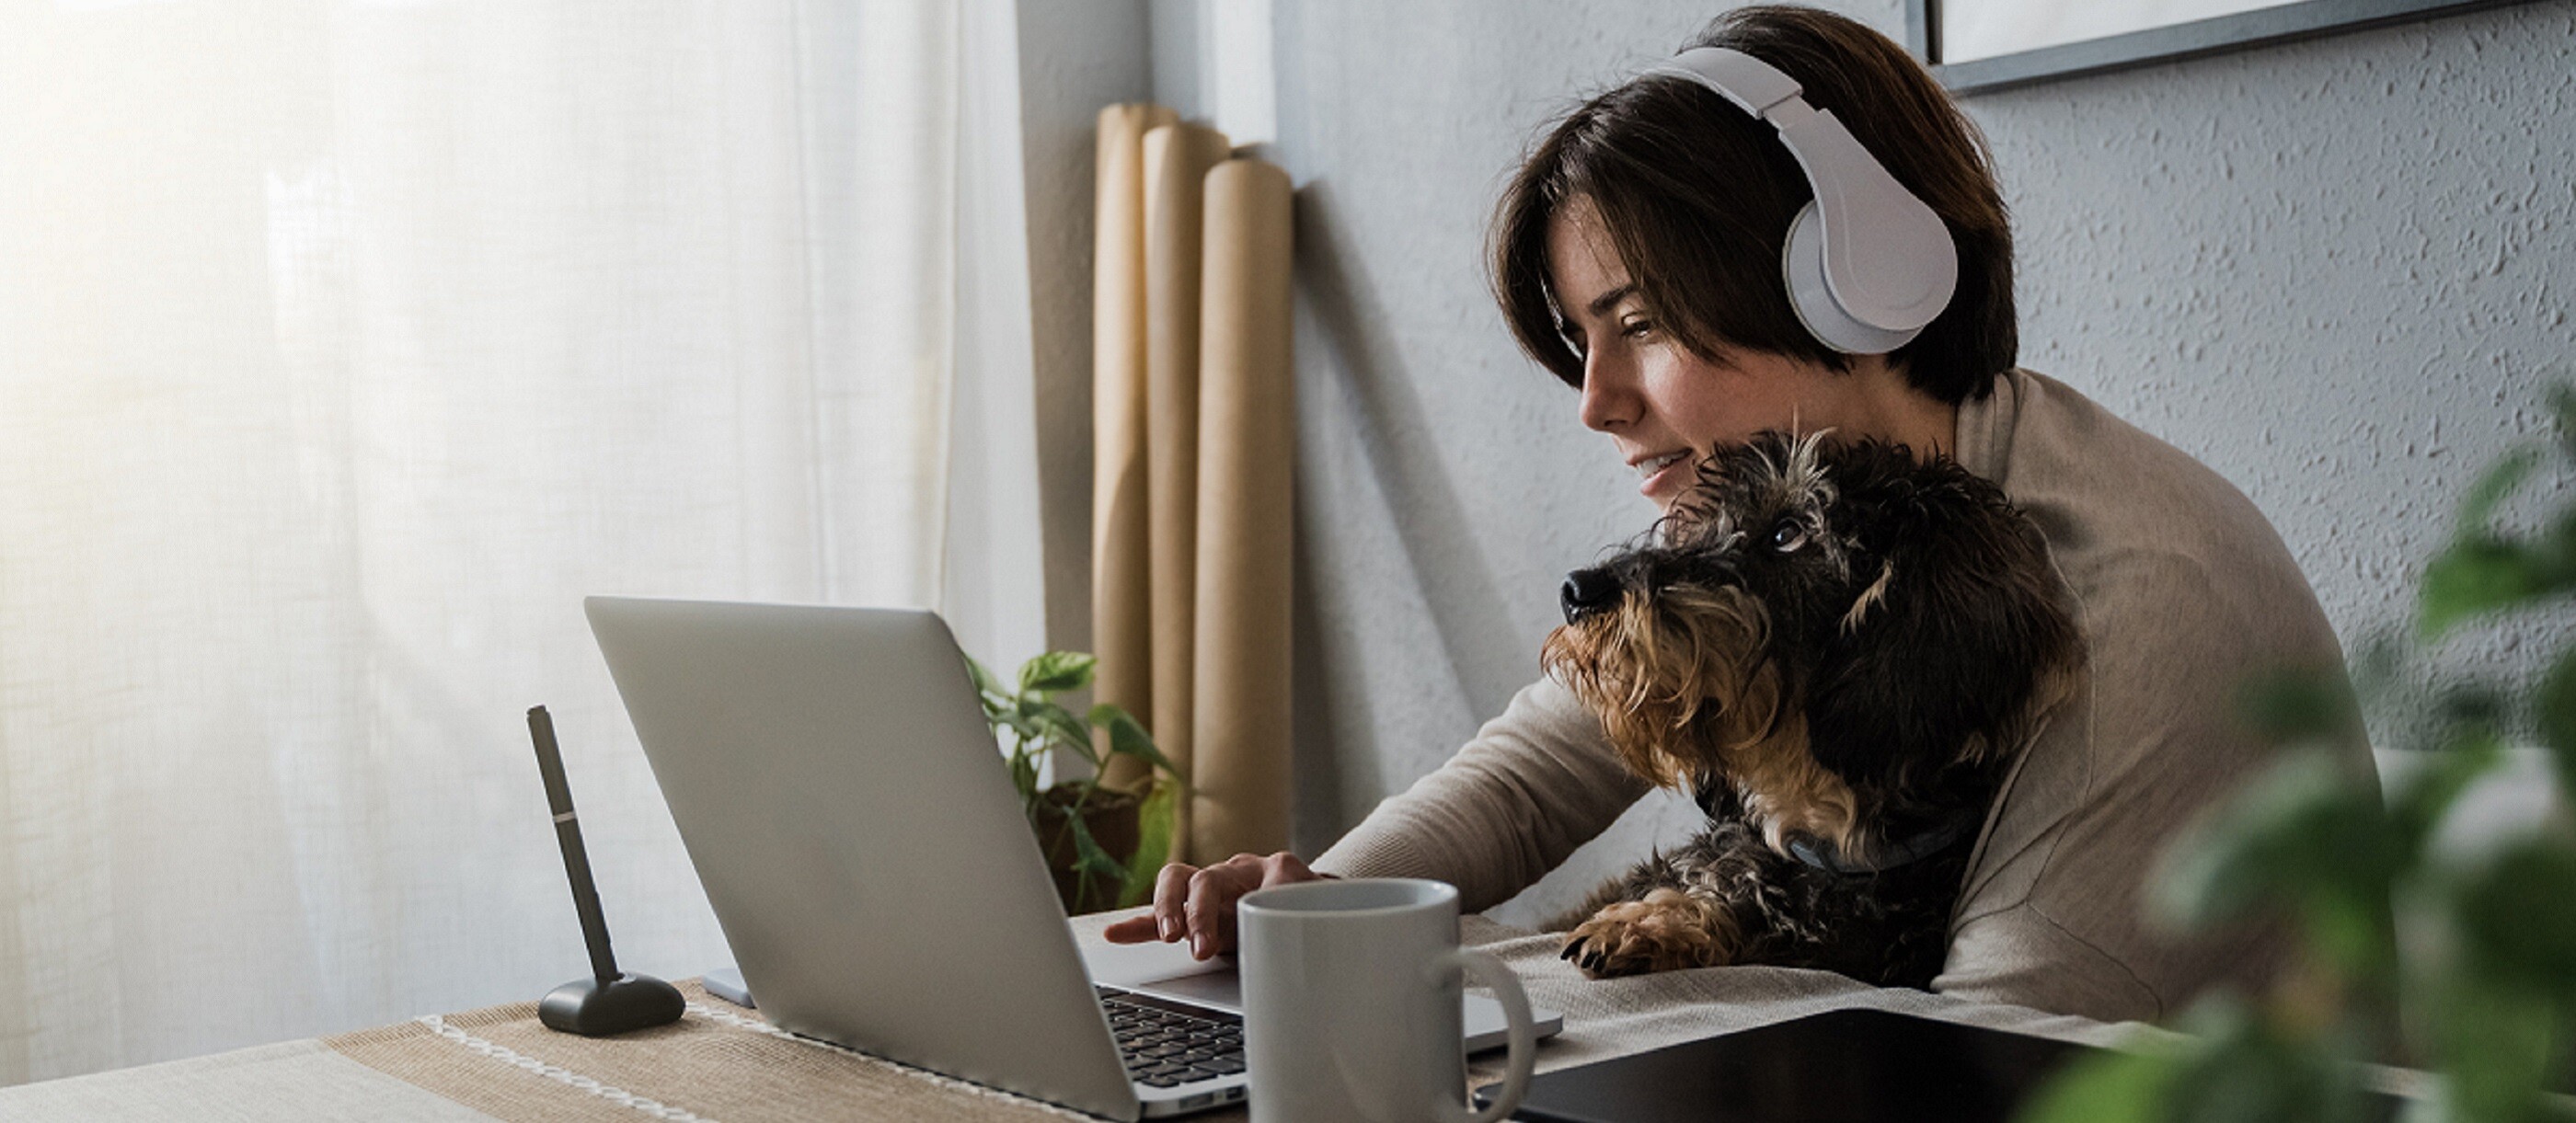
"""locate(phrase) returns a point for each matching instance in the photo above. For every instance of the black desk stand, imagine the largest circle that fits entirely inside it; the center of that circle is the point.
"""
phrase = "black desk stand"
(610, 1001)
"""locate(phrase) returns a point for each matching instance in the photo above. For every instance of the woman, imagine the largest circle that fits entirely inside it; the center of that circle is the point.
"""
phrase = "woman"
(1637, 256)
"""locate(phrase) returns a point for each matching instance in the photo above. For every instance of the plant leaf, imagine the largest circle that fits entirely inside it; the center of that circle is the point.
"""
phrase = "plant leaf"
(2308, 833)
(2562, 401)
(2106, 1088)
(2557, 550)
(988, 691)
(2246, 1067)
(1090, 861)
(1154, 824)
(2500, 481)
(2516, 914)
(1024, 777)
(2417, 808)
(985, 683)
(2494, 1051)
(1127, 737)
(2477, 575)
(2554, 712)
(1021, 718)
(1056, 672)
(2469, 710)
(1062, 730)
(2303, 705)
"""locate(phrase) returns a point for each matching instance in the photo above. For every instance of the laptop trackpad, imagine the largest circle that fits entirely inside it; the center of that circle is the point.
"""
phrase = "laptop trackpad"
(1137, 965)
(1222, 989)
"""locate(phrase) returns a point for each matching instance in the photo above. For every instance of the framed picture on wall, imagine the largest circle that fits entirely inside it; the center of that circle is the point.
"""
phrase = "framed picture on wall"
(1995, 44)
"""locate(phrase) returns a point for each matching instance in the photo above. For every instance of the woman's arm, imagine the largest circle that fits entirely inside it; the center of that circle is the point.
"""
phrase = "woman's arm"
(1533, 785)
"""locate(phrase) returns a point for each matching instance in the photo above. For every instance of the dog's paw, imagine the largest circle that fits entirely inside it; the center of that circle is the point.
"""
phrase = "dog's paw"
(1668, 931)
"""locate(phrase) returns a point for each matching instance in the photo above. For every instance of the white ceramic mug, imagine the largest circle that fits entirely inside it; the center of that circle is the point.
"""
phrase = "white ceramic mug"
(1350, 1004)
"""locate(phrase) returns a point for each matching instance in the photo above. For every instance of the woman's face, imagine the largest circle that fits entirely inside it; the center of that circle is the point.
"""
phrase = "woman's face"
(1664, 407)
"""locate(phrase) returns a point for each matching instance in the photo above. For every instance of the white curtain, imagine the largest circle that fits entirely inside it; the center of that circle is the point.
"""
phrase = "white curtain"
(343, 348)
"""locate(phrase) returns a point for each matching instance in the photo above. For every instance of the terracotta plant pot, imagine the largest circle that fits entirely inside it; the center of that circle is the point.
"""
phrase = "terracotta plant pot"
(1112, 818)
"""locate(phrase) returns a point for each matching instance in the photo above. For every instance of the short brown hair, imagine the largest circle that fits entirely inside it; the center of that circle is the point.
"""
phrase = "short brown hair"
(1697, 195)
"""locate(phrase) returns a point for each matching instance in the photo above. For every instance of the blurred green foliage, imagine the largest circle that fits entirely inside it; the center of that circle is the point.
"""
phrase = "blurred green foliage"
(1031, 725)
(2486, 994)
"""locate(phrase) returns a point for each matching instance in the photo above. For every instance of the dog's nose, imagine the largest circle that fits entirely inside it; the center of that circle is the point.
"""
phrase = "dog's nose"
(1587, 591)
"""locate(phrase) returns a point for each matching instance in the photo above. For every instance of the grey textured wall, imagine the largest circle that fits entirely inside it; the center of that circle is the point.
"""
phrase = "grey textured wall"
(1074, 58)
(2336, 271)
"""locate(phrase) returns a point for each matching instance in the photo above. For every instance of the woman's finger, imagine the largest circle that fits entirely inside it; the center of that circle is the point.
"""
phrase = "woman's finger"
(1134, 930)
(1171, 900)
(1213, 892)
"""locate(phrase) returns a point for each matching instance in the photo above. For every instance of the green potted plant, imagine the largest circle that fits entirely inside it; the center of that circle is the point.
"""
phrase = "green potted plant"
(2485, 992)
(1103, 844)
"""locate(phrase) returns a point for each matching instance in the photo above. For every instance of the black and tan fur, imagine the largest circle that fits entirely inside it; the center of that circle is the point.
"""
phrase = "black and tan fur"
(1836, 649)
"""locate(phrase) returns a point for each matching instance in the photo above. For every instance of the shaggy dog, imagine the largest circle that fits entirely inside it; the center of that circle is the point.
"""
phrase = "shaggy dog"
(1839, 651)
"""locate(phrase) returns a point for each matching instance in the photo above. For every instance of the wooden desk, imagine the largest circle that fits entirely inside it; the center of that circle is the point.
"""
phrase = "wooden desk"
(722, 1063)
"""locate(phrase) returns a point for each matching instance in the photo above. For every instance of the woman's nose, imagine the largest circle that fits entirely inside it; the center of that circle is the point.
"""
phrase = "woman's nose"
(1587, 591)
(1609, 395)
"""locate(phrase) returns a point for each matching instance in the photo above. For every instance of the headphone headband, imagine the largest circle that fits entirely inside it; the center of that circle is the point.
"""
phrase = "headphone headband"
(1867, 264)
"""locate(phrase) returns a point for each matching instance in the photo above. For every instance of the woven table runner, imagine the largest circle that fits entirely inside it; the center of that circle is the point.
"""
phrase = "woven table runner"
(719, 1063)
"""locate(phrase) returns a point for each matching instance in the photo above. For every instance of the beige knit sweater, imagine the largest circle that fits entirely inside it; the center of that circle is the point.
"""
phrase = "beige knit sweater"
(2183, 590)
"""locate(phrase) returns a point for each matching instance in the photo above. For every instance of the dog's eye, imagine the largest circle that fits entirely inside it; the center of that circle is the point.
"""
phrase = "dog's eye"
(1788, 536)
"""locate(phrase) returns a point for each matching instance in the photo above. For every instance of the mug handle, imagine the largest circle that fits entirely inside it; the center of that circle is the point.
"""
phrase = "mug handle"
(1521, 1053)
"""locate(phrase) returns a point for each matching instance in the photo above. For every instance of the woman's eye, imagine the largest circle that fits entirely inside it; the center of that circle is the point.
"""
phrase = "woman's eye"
(1637, 329)
(1788, 536)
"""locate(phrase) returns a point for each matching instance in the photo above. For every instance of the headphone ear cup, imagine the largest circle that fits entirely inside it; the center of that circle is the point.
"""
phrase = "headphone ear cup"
(1802, 271)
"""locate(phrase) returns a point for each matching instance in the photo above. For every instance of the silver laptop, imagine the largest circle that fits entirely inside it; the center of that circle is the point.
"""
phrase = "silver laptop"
(855, 828)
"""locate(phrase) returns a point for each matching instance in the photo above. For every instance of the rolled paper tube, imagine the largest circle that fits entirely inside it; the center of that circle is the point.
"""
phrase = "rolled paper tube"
(1247, 451)
(1121, 625)
(1177, 159)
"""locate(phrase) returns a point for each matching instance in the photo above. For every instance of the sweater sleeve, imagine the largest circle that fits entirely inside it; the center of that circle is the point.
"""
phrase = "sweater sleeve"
(1534, 784)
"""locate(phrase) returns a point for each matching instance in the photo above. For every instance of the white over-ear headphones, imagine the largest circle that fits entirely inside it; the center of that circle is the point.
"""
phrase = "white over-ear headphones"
(1867, 263)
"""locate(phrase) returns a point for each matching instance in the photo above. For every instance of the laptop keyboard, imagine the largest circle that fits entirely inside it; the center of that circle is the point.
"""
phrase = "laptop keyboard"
(1168, 1044)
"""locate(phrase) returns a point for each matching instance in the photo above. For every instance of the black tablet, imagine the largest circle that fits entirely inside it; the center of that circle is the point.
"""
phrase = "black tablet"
(1845, 1066)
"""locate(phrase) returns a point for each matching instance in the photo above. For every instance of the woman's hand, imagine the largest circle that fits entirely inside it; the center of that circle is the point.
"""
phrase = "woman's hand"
(1198, 904)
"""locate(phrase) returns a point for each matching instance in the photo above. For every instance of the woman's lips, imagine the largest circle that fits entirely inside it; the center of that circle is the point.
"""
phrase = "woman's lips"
(1673, 475)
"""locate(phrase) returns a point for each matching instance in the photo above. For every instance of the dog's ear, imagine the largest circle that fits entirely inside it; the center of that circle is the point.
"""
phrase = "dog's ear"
(1956, 629)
